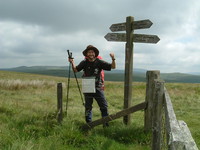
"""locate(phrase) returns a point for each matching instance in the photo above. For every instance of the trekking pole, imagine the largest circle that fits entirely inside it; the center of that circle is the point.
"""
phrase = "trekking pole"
(68, 83)
(70, 56)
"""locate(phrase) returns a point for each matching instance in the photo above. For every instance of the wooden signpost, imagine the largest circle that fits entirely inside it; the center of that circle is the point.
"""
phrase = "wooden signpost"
(139, 38)
(142, 24)
(129, 26)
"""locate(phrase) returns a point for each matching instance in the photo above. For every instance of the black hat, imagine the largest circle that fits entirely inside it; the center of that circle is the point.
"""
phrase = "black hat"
(91, 47)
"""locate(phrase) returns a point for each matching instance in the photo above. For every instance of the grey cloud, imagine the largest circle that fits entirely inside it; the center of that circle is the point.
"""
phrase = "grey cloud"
(67, 17)
(72, 24)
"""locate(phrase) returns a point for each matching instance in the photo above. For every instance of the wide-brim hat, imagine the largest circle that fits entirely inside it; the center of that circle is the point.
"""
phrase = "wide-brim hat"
(91, 47)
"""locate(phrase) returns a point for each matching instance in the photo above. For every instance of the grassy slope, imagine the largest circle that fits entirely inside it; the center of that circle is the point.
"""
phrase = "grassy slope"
(28, 105)
(114, 75)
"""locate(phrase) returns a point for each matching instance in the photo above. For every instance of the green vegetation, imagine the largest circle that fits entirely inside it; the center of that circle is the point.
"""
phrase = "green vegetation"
(139, 75)
(28, 106)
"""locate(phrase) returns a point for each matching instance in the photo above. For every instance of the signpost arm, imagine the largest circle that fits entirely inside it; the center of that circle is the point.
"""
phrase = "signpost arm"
(128, 68)
(130, 25)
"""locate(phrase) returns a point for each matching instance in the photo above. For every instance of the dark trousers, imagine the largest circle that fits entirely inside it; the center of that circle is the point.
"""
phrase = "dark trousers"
(101, 101)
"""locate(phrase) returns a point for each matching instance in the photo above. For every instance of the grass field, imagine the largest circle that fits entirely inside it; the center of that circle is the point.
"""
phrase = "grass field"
(28, 106)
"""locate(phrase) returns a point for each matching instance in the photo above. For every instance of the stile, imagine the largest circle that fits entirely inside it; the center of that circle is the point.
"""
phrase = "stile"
(115, 116)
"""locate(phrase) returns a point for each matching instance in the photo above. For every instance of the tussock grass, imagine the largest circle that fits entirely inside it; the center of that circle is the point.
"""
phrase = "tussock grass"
(18, 84)
(28, 106)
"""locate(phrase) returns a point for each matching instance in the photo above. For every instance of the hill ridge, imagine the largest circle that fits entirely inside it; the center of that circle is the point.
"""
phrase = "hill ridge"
(114, 75)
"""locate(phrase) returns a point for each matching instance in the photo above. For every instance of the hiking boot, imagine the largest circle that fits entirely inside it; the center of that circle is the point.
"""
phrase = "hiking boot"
(105, 125)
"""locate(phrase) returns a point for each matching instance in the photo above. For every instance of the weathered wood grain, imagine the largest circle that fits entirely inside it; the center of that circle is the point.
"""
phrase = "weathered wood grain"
(115, 116)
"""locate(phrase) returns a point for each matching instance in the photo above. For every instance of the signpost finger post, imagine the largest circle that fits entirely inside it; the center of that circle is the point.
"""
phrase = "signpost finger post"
(128, 67)
(129, 37)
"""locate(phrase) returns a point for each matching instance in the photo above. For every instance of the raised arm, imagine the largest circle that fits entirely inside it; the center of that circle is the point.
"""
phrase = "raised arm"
(113, 64)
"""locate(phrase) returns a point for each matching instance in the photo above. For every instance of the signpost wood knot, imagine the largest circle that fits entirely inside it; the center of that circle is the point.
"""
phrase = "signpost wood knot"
(129, 37)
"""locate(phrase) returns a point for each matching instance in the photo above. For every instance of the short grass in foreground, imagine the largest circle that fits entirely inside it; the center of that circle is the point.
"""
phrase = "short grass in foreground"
(28, 115)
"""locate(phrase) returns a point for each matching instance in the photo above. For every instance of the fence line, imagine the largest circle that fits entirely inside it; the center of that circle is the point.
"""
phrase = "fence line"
(177, 134)
(167, 132)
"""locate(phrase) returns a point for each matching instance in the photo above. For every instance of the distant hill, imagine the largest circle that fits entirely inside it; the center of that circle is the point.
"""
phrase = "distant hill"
(139, 75)
(180, 77)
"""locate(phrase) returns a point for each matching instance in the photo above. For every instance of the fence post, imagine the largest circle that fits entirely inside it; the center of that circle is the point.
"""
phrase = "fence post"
(158, 99)
(59, 103)
(150, 77)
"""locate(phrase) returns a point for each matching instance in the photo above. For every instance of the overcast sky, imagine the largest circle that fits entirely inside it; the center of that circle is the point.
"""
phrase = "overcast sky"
(38, 32)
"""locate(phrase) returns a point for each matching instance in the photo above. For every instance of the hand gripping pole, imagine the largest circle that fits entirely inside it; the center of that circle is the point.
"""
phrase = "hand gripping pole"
(70, 57)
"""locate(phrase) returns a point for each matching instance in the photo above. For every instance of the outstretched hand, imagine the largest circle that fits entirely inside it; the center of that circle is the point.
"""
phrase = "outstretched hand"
(112, 55)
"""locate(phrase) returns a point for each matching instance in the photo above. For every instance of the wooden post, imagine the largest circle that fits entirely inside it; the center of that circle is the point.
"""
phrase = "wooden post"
(130, 25)
(158, 97)
(128, 68)
(59, 103)
(150, 77)
(114, 116)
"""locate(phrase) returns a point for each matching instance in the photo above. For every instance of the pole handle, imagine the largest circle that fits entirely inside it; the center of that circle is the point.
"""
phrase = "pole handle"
(69, 54)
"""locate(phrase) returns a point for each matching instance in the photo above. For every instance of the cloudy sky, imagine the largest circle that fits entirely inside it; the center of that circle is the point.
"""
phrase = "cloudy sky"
(38, 32)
